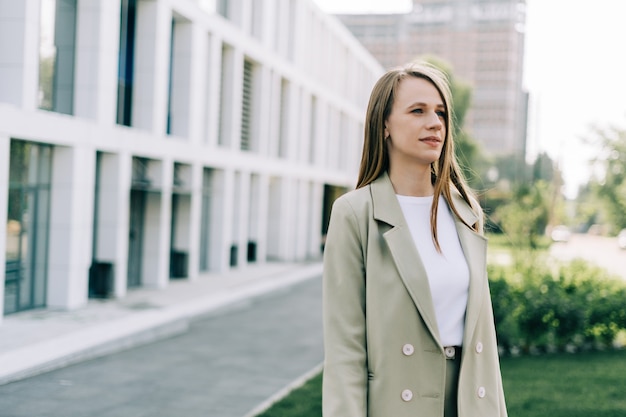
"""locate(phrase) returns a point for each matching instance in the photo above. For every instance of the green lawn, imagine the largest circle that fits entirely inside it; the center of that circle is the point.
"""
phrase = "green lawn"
(591, 384)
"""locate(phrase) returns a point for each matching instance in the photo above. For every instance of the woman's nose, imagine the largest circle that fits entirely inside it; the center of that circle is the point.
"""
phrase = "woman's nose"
(435, 122)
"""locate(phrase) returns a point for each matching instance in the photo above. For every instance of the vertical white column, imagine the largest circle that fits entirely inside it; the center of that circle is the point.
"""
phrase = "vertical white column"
(152, 48)
(162, 47)
(302, 219)
(331, 139)
(281, 36)
(243, 218)
(227, 198)
(322, 134)
(274, 122)
(294, 133)
(315, 220)
(156, 240)
(213, 90)
(181, 78)
(304, 136)
(262, 232)
(195, 222)
(246, 16)
(236, 99)
(287, 219)
(274, 217)
(113, 216)
(265, 111)
(19, 52)
(71, 226)
(270, 23)
(122, 208)
(198, 81)
(5, 145)
(97, 49)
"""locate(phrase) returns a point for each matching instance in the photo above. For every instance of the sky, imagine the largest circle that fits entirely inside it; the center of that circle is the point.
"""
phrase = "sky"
(575, 72)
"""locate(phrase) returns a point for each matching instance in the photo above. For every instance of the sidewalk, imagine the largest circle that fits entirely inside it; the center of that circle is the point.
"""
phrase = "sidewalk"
(37, 341)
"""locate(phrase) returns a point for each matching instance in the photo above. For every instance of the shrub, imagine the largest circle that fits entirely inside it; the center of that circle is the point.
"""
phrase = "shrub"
(563, 307)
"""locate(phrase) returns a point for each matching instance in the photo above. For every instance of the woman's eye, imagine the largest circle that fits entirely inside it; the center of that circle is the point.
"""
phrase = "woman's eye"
(417, 111)
(441, 113)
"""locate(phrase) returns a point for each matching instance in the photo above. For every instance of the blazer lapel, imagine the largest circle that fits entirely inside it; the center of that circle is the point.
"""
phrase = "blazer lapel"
(403, 250)
(475, 249)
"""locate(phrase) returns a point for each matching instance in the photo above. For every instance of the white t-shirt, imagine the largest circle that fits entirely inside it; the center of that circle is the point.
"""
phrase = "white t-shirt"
(448, 274)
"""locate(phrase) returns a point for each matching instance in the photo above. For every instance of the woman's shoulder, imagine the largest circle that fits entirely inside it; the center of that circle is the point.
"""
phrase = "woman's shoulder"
(356, 197)
(356, 202)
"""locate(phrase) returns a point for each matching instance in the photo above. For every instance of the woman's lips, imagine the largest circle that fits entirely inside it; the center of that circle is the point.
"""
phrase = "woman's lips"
(431, 140)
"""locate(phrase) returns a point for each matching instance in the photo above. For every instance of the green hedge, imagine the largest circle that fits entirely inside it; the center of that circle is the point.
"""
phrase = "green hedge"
(563, 307)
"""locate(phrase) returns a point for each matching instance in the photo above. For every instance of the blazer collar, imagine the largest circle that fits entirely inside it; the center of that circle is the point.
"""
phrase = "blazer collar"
(387, 209)
(410, 266)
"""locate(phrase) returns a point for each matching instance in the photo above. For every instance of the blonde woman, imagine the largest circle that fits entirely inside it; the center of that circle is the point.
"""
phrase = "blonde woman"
(408, 321)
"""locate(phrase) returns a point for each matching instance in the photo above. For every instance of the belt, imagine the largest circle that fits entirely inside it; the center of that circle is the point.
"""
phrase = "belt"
(451, 352)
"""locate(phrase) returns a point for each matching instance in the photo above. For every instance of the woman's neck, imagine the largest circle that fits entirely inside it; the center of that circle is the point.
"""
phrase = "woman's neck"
(415, 182)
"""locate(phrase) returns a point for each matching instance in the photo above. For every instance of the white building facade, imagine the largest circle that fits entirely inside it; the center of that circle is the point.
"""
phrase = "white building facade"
(149, 140)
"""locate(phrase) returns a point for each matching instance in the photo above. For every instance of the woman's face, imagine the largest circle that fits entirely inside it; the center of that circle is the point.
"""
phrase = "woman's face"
(416, 124)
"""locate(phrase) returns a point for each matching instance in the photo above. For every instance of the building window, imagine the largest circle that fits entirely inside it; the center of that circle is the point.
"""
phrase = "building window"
(26, 269)
(168, 128)
(249, 109)
(223, 9)
(126, 62)
(57, 49)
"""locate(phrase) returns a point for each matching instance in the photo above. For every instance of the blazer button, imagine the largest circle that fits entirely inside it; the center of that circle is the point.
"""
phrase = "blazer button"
(407, 395)
(481, 392)
(479, 347)
(408, 349)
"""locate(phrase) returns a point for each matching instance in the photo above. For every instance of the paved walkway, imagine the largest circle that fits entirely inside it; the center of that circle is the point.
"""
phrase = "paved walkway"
(37, 341)
(228, 364)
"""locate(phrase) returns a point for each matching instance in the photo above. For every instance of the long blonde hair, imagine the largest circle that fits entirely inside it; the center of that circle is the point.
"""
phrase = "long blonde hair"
(445, 172)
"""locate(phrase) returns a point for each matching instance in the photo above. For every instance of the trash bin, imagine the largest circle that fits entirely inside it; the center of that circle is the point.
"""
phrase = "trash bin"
(100, 279)
(233, 255)
(251, 251)
(178, 264)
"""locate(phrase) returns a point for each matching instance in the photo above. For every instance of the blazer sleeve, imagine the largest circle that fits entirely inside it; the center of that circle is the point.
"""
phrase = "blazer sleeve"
(345, 354)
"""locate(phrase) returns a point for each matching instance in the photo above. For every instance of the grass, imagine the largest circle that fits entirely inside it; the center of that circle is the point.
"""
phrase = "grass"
(305, 401)
(590, 384)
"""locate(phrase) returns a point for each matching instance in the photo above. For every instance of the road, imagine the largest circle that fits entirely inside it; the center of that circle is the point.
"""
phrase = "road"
(224, 366)
(602, 251)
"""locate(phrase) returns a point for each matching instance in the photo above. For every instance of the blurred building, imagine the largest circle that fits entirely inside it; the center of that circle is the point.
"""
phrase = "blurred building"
(148, 140)
(483, 40)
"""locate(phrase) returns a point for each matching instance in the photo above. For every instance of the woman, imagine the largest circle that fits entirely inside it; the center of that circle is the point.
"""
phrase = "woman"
(408, 322)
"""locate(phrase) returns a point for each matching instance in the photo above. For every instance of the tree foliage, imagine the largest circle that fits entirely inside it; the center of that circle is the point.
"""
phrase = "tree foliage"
(525, 217)
(611, 187)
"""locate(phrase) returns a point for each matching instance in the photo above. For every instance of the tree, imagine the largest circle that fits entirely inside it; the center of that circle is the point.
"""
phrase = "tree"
(611, 187)
(525, 218)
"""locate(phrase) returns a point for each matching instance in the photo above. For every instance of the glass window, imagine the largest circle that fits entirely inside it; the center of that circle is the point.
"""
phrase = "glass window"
(126, 62)
(57, 49)
(27, 226)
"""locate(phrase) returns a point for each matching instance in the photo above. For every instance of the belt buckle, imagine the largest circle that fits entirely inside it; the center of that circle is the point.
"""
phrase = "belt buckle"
(450, 352)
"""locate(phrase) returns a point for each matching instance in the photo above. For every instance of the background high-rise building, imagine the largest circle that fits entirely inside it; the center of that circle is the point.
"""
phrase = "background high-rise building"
(483, 41)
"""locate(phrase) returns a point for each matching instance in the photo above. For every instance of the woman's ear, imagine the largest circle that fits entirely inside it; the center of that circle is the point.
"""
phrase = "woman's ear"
(386, 133)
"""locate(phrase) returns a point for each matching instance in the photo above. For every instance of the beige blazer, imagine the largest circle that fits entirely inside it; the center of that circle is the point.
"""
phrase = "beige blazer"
(383, 356)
